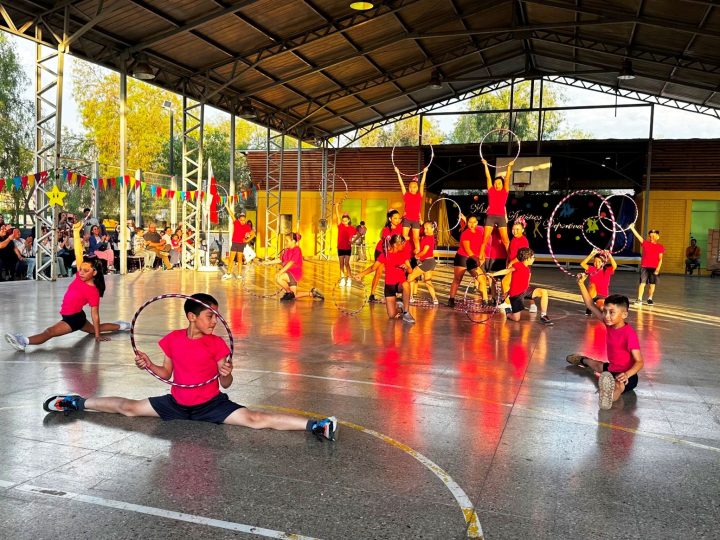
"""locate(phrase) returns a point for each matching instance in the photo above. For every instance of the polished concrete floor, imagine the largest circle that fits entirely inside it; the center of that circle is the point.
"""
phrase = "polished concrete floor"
(450, 429)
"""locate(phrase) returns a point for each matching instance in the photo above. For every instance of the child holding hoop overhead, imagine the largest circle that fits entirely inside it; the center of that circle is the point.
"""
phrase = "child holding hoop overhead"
(393, 225)
(242, 235)
(520, 289)
(290, 274)
(87, 287)
(344, 246)
(650, 263)
(619, 374)
(396, 261)
(413, 198)
(600, 273)
(467, 259)
(193, 354)
(425, 263)
(498, 191)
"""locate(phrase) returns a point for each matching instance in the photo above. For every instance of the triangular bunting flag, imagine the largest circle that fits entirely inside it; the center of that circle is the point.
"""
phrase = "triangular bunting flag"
(2, 184)
(142, 186)
(17, 181)
(31, 180)
(24, 181)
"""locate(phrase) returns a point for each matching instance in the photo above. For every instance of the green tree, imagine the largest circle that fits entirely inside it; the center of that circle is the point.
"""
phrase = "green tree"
(16, 157)
(404, 133)
(471, 128)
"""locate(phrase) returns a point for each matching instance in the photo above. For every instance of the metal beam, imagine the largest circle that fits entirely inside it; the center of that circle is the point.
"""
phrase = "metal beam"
(192, 168)
(274, 158)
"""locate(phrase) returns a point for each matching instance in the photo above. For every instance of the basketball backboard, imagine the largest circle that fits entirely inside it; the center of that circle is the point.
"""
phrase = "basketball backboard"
(533, 172)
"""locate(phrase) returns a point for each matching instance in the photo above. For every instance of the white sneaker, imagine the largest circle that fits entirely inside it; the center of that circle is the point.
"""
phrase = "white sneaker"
(348, 282)
(227, 276)
(533, 308)
(18, 341)
(413, 300)
(342, 282)
(124, 326)
(606, 385)
(400, 306)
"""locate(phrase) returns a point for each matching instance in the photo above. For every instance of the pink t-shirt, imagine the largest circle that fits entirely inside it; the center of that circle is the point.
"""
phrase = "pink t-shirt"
(515, 244)
(293, 254)
(240, 231)
(651, 254)
(77, 295)
(620, 341)
(601, 279)
(413, 204)
(345, 234)
(428, 241)
(475, 239)
(497, 198)
(194, 361)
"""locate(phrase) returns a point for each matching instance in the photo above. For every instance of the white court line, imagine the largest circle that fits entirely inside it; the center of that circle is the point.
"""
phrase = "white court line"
(159, 512)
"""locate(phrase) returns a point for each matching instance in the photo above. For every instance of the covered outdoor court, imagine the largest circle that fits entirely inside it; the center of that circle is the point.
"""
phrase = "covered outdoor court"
(437, 418)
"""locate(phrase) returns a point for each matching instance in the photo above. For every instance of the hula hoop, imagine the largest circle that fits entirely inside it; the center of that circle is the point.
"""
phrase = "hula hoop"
(392, 159)
(186, 297)
(452, 201)
(476, 310)
(552, 220)
(346, 194)
(248, 290)
(600, 250)
(517, 139)
(337, 299)
(618, 229)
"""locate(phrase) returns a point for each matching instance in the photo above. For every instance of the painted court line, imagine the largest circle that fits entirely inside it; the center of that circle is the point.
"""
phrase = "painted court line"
(159, 512)
(474, 529)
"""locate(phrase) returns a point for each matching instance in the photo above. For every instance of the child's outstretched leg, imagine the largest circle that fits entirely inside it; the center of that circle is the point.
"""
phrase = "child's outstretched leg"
(118, 405)
(326, 428)
(20, 341)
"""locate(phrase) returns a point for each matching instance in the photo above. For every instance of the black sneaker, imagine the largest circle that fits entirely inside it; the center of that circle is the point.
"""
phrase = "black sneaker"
(588, 312)
(451, 302)
(326, 428)
(371, 298)
(546, 321)
(650, 302)
(287, 296)
(316, 294)
(64, 403)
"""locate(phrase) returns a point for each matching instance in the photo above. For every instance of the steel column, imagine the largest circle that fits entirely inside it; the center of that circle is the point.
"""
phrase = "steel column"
(274, 158)
(124, 240)
(192, 161)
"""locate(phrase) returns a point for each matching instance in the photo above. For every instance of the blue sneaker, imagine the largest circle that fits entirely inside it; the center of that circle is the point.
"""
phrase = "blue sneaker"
(64, 403)
(326, 428)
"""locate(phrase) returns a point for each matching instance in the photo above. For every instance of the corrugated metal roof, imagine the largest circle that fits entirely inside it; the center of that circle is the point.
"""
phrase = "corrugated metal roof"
(320, 64)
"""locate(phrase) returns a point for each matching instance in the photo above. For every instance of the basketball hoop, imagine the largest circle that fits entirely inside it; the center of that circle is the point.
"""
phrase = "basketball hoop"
(520, 181)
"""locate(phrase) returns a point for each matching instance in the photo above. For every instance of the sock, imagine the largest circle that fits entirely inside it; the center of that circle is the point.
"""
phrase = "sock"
(543, 314)
(24, 340)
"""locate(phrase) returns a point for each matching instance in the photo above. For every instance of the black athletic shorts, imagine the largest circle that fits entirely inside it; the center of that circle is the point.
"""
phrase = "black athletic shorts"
(377, 254)
(392, 290)
(465, 262)
(647, 275)
(238, 246)
(492, 220)
(427, 265)
(344, 252)
(215, 410)
(413, 262)
(517, 303)
(76, 321)
(411, 224)
(632, 381)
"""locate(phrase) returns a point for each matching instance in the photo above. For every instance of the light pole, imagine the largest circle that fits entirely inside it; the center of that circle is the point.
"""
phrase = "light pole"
(173, 181)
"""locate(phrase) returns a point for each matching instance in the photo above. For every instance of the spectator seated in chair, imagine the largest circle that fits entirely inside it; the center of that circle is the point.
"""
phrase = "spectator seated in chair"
(139, 250)
(692, 257)
(155, 243)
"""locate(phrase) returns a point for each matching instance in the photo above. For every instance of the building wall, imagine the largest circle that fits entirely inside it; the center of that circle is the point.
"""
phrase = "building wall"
(671, 213)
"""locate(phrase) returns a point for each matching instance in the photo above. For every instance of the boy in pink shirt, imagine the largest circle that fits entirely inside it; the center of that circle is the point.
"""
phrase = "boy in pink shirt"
(194, 355)
(619, 374)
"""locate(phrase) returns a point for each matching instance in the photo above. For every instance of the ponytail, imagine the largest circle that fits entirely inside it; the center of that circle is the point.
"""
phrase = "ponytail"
(98, 278)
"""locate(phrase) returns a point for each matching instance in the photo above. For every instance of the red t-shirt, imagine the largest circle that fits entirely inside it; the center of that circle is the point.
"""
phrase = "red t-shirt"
(620, 341)
(385, 233)
(240, 231)
(475, 239)
(601, 279)
(194, 361)
(520, 280)
(428, 241)
(651, 254)
(413, 205)
(392, 261)
(516, 244)
(77, 295)
(497, 198)
(293, 254)
(345, 234)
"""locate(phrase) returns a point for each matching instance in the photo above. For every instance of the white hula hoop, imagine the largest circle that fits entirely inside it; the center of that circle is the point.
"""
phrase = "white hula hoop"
(500, 130)
(392, 158)
(617, 227)
(452, 201)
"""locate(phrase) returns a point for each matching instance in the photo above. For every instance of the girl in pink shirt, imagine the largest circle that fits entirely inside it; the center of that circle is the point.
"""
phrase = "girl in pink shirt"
(413, 199)
(498, 191)
(86, 288)
(290, 274)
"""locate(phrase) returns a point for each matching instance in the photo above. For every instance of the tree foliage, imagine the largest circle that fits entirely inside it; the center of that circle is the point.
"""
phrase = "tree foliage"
(404, 133)
(471, 128)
